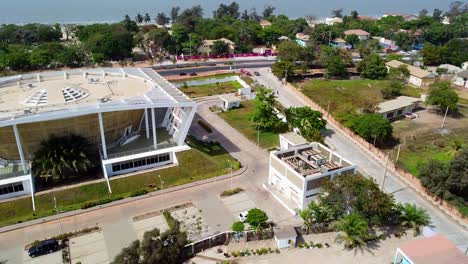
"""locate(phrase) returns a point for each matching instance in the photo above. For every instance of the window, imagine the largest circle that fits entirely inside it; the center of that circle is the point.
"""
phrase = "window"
(141, 162)
(400, 112)
(314, 184)
(11, 188)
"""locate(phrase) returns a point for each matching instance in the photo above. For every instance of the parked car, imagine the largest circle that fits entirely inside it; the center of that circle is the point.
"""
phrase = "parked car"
(182, 73)
(257, 73)
(193, 74)
(243, 216)
(44, 247)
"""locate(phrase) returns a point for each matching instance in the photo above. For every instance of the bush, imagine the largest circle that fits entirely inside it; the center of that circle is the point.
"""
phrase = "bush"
(171, 221)
(231, 192)
(205, 126)
(100, 202)
(277, 251)
(139, 192)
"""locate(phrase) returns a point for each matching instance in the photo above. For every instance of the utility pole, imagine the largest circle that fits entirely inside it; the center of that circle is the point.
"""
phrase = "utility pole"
(445, 116)
(385, 171)
(398, 153)
(258, 136)
(328, 110)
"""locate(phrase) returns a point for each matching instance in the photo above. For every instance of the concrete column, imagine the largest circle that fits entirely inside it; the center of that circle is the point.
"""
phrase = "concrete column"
(147, 123)
(103, 136)
(31, 185)
(153, 120)
(20, 149)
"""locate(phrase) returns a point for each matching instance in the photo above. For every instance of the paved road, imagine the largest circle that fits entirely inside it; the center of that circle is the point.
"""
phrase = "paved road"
(369, 166)
(215, 68)
(116, 221)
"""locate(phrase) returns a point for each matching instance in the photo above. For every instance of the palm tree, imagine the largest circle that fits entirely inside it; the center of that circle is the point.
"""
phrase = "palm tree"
(147, 18)
(139, 18)
(320, 213)
(60, 157)
(307, 216)
(413, 217)
(353, 230)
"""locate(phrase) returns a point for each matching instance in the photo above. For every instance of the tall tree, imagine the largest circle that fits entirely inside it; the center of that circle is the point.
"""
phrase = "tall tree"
(437, 14)
(308, 121)
(147, 18)
(174, 13)
(372, 67)
(189, 16)
(337, 12)
(231, 10)
(283, 69)
(139, 18)
(371, 127)
(129, 255)
(264, 114)
(353, 230)
(414, 217)
(162, 19)
(354, 14)
(268, 11)
(442, 95)
(220, 48)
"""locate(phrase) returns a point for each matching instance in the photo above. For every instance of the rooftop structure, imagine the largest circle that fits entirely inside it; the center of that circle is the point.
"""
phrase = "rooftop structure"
(363, 35)
(296, 174)
(133, 118)
(265, 23)
(291, 139)
(430, 250)
(406, 17)
(302, 39)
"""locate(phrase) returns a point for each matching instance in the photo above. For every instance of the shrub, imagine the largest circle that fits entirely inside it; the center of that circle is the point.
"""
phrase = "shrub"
(171, 221)
(139, 192)
(277, 251)
(231, 192)
(90, 204)
(319, 245)
(205, 126)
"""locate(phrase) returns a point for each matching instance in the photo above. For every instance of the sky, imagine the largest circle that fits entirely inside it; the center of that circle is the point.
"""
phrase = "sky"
(51, 11)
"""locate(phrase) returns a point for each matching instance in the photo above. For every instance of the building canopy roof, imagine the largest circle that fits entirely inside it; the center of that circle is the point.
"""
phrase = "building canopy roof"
(285, 232)
(357, 32)
(85, 91)
(433, 250)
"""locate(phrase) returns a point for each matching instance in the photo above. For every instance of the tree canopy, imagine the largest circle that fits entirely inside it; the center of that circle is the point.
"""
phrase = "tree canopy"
(264, 114)
(371, 127)
(443, 96)
(372, 67)
(308, 121)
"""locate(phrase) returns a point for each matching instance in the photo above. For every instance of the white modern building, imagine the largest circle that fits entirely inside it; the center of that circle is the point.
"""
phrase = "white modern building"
(132, 117)
(296, 174)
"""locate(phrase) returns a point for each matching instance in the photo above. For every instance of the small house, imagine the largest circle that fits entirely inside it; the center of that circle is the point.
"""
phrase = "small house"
(303, 40)
(230, 101)
(339, 43)
(461, 79)
(399, 106)
(265, 23)
(285, 237)
(207, 45)
(418, 77)
(362, 35)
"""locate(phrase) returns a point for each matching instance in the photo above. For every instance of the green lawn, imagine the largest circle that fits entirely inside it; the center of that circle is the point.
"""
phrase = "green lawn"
(211, 89)
(201, 162)
(348, 95)
(239, 119)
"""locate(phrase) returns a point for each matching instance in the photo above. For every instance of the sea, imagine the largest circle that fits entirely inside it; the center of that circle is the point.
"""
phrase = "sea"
(93, 11)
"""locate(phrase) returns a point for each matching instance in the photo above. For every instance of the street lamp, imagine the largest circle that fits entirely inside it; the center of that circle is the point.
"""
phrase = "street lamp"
(57, 212)
(230, 165)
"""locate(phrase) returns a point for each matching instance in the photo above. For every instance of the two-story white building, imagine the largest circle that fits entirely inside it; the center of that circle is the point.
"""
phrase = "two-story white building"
(296, 174)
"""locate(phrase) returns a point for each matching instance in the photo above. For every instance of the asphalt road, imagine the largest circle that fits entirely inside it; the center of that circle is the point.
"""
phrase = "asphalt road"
(440, 222)
(216, 68)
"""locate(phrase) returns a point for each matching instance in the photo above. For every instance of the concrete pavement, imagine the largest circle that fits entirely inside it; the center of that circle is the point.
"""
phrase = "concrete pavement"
(116, 221)
(441, 223)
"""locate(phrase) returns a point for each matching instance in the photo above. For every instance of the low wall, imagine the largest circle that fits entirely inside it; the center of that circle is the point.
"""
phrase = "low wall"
(380, 156)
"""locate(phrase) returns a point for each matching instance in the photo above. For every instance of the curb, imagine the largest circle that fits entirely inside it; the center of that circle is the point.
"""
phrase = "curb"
(43, 220)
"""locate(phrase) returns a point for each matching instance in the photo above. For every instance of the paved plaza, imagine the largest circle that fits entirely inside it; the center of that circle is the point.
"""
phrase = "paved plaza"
(89, 248)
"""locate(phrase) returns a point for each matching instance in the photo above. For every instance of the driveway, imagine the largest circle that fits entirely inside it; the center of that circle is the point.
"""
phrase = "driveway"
(441, 223)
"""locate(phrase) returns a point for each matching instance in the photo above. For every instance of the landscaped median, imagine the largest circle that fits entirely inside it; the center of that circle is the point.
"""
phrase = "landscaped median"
(203, 161)
(240, 120)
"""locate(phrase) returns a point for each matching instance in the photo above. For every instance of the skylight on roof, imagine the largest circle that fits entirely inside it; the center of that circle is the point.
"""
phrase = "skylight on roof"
(71, 94)
(38, 98)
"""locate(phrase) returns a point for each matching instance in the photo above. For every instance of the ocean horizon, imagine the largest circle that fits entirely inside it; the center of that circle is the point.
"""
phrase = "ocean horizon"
(108, 11)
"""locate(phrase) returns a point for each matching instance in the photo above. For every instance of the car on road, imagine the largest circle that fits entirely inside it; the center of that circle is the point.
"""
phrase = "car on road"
(43, 247)
(243, 216)
(257, 73)
(182, 73)
(193, 74)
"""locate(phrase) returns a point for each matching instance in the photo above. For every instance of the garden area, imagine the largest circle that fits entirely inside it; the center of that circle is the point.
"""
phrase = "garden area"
(210, 89)
(240, 120)
(347, 96)
(203, 161)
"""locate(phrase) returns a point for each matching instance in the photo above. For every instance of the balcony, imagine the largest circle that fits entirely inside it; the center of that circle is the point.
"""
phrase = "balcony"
(142, 144)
